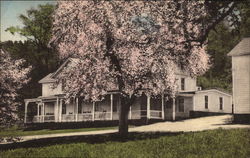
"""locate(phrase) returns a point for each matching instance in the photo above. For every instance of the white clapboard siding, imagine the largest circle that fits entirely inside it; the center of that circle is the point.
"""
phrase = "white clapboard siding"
(241, 83)
(188, 106)
(190, 83)
(47, 89)
(213, 101)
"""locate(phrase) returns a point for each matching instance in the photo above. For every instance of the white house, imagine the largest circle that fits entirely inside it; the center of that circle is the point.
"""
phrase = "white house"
(50, 107)
(241, 79)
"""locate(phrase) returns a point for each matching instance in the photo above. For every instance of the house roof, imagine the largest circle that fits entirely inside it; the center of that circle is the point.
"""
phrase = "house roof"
(72, 60)
(51, 77)
(242, 48)
(47, 79)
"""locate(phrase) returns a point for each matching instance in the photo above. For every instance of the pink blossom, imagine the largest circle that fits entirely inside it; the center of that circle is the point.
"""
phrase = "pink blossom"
(111, 45)
(12, 77)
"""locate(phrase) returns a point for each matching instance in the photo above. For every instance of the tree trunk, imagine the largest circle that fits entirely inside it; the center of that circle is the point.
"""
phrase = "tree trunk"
(123, 116)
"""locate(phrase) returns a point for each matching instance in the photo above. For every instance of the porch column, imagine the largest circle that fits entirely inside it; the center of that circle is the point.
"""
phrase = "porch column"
(76, 109)
(43, 112)
(162, 107)
(37, 109)
(60, 111)
(57, 110)
(93, 112)
(148, 107)
(173, 114)
(111, 106)
(25, 111)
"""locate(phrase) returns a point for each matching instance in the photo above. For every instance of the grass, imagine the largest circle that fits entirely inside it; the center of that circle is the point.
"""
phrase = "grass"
(218, 143)
(14, 131)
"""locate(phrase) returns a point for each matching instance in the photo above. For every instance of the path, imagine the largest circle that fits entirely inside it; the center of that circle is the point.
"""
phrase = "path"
(197, 124)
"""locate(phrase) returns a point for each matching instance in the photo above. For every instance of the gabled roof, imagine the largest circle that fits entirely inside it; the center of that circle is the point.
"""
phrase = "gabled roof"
(72, 60)
(242, 48)
(51, 77)
(47, 79)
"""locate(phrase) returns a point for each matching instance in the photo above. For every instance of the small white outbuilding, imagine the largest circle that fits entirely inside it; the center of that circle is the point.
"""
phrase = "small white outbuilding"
(241, 80)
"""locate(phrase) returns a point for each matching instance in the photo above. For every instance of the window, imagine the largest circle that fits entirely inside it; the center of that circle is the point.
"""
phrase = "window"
(206, 102)
(181, 105)
(182, 84)
(221, 103)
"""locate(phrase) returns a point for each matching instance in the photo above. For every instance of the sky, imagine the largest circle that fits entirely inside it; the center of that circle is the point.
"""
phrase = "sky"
(10, 10)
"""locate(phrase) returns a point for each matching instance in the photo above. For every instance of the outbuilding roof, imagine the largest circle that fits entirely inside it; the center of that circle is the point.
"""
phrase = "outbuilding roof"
(214, 90)
(242, 48)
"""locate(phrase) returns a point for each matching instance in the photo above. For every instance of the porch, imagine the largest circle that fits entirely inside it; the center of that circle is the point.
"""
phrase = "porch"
(54, 109)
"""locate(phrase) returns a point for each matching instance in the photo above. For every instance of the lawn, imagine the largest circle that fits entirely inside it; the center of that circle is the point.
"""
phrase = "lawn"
(14, 131)
(218, 143)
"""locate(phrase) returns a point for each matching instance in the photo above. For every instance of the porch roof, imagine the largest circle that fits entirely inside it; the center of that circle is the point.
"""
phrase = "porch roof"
(186, 94)
(32, 100)
(52, 96)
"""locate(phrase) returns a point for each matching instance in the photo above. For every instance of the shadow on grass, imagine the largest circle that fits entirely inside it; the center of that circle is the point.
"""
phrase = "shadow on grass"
(232, 122)
(91, 139)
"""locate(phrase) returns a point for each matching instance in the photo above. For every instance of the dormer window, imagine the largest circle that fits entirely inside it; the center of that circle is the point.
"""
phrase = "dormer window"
(182, 84)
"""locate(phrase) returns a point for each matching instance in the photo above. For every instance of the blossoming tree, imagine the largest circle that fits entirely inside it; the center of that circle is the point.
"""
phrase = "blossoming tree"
(132, 46)
(12, 77)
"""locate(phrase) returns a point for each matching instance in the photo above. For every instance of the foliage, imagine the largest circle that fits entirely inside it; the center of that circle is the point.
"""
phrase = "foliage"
(212, 143)
(219, 75)
(136, 45)
(38, 31)
(13, 77)
(36, 28)
(221, 41)
(132, 45)
(37, 24)
(242, 28)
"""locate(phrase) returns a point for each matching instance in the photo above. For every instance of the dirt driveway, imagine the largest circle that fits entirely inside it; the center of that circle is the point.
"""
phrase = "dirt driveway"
(197, 124)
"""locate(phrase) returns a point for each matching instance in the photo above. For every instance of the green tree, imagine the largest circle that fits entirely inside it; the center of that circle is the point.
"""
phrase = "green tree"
(37, 30)
(221, 41)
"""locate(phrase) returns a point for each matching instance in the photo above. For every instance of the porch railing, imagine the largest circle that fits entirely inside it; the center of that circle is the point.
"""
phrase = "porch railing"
(102, 115)
(68, 117)
(84, 117)
(49, 118)
(37, 119)
(155, 114)
(135, 114)
(138, 114)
